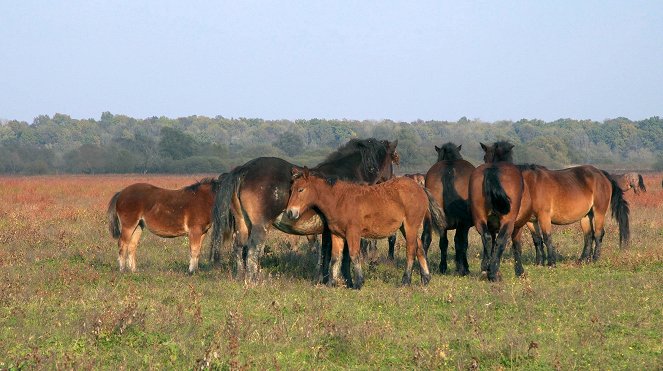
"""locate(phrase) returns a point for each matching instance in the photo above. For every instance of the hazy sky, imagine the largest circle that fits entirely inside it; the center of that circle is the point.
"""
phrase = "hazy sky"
(403, 60)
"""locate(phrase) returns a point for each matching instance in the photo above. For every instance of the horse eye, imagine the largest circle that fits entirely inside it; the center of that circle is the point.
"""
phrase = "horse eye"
(300, 190)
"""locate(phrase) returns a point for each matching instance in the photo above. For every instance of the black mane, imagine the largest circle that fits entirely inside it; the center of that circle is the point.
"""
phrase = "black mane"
(448, 152)
(369, 152)
(522, 167)
(195, 186)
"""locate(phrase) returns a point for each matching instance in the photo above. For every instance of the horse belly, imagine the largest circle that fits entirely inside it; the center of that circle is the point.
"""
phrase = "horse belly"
(381, 229)
(166, 223)
(569, 214)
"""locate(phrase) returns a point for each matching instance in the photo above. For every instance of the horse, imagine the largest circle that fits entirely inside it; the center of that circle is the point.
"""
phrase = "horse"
(630, 180)
(580, 193)
(353, 211)
(165, 212)
(448, 181)
(253, 197)
(496, 191)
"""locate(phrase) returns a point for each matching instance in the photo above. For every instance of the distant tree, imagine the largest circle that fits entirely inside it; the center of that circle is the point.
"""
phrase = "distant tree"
(290, 143)
(175, 144)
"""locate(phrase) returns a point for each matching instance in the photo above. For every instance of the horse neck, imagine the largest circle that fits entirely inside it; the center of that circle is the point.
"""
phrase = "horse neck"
(328, 195)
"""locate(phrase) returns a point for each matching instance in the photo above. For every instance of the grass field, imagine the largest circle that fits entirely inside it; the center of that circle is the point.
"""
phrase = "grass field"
(64, 304)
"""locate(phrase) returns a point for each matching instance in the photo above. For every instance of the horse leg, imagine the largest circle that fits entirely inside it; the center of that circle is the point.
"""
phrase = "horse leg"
(545, 226)
(498, 249)
(324, 256)
(535, 231)
(123, 244)
(599, 220)
(354, 242)
(423, 262)
(133, 244)
(444, 246)
(517, 251)
(335, 261)
(195, 241)
(487, 241)
(461, 244)
(426, 235)
(588, 232)
(254, 250)
(345, 265)
(392, 246)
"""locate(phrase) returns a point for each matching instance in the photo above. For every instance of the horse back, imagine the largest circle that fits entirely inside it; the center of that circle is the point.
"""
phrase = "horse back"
(265, 188)
(448, 181)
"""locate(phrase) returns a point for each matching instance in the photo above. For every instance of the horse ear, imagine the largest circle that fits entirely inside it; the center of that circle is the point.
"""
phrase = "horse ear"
(483, 146)
(297, 172)
(437, 149)
(306, 172)
(459, 147)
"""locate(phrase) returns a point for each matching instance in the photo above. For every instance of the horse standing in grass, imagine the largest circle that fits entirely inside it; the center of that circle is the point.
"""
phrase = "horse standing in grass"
(496, 192)
(630, 180)
(165, 212)
(581, 193)
(448, 181)
(253, 197)
(353, 211)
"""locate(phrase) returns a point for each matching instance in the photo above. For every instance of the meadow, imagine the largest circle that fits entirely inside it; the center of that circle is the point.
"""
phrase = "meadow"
(64, 303)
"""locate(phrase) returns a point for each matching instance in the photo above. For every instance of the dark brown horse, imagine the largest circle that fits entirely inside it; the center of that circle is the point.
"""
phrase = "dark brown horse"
(581, 193)
(630, 180)
(496, 190)
(353, 211)
(448, 181)
(253, 197)
(165, 212)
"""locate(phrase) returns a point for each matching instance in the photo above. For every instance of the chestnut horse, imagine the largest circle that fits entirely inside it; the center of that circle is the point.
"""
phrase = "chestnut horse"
(448, 180)
(630, 180)
(496, 190)
(353, 211)
(165, 212)
(581, 193)
(253, 196)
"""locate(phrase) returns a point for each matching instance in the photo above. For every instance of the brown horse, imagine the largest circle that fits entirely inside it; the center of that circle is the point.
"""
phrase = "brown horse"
(496, 190)
(630, 180)
(353, 211)
(165, 212)
(581, 193)
(253, 197)
(448, 180)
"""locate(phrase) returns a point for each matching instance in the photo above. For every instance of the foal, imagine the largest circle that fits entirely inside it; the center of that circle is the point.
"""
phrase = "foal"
(165, 212)
(353, 211)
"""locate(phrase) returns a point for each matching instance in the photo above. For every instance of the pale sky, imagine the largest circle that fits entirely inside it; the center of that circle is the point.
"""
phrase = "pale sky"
(401, 60)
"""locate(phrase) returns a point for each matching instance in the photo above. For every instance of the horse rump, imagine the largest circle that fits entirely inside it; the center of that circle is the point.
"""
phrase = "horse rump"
(620, 211)
(494, 193)
(114, 225)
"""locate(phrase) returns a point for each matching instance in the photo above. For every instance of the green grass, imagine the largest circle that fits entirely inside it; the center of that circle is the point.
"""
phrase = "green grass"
(63, 304)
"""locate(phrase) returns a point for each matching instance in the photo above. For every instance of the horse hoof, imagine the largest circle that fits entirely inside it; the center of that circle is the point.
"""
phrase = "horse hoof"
(520, 271)
(425, 279)
(406, 281)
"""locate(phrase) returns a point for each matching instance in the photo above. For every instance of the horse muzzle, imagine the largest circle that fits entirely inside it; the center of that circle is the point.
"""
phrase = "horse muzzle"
(292, 213)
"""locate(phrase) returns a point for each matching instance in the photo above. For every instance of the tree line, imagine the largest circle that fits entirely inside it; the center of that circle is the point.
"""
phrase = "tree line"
(198, 144)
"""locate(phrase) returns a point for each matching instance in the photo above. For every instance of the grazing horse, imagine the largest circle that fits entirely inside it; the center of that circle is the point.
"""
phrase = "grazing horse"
(581, 193)
(253, 196)
(353, 211)
(496, 191)
(165, 212)
(448, 181)
(630, 180)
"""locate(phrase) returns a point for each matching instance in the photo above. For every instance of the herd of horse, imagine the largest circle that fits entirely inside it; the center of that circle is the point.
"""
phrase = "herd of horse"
(354, 195)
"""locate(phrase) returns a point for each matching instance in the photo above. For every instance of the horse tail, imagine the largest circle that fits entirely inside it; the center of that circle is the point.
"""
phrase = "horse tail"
(494, 193)
(641, 183)
(620, 211)
(436, 213)
(222, 216)
(114, 225)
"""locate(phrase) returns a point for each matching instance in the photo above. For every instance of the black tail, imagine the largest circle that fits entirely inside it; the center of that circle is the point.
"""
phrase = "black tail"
(113, 221)
(436, 213)
(641, 183)
(222, 216)
(494, 193)
(620, 211)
